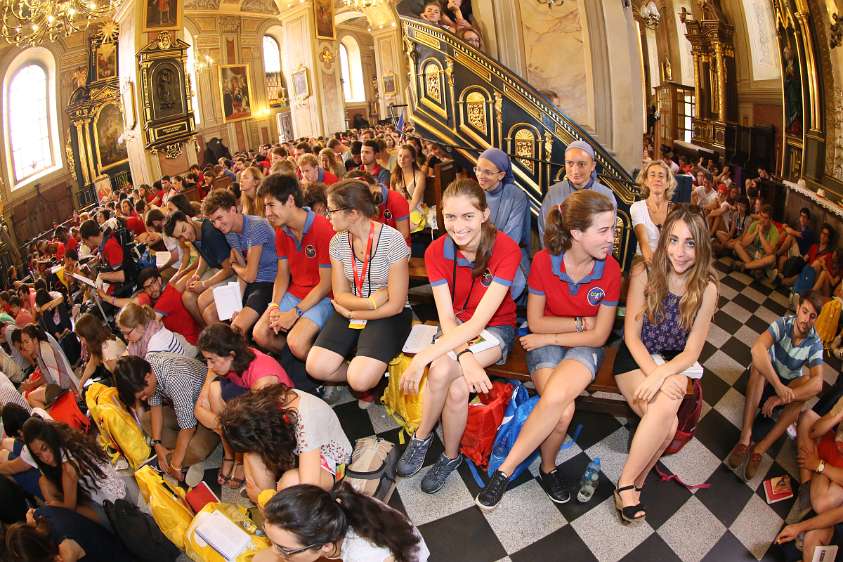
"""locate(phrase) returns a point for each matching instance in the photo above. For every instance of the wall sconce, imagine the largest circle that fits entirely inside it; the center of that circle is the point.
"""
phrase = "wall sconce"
(650, 15)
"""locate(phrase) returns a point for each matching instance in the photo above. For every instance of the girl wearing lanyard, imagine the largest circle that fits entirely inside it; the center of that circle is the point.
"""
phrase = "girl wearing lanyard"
(471, 271)
(668, 312)
(574, 289)
(369, 280)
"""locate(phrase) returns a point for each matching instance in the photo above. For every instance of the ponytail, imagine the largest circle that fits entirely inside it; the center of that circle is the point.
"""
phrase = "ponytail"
(577, 212)
(319, 517)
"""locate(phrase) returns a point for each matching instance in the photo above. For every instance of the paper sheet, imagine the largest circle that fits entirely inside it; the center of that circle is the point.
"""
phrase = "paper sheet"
(228, 300)
(161, 259)
(420, 337)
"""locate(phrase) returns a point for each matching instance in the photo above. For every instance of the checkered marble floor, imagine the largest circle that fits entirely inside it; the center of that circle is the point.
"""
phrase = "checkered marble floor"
(729, 521)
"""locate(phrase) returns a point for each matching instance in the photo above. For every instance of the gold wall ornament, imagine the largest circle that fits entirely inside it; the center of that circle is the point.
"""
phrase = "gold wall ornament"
(327, 56)
(475, 109)
(523, 145)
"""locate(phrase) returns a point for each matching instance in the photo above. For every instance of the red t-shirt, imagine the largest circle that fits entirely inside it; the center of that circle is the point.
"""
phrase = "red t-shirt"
(564, 298)
(135, 225)
(261, 366)
(176, 318)
(112, 252)
(305, 259)
(327, 177)
(60, 249)
(71, 244)
(503, 264)
(393, 209)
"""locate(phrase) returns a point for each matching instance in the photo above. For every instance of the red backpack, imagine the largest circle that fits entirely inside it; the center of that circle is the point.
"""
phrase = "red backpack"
(688, 415)
(483, 421)
(65, 409)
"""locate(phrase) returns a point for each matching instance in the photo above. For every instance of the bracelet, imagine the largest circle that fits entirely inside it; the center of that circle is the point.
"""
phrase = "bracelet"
(371, 300)
(579, 324)
(272, 305)
(461, 353)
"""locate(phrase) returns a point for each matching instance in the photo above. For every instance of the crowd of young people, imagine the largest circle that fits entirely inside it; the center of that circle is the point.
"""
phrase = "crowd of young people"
(320, 253)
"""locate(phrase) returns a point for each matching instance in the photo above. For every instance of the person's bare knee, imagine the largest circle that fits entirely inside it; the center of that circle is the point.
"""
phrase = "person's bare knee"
(362, 377)
(457, 394)
(289, 478)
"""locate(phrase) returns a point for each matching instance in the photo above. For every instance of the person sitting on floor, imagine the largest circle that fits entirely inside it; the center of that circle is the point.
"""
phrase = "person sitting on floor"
(471, 270)
(797, 241)
(776, 379)
(104, 348)
(75, 471)
(14, 415)
(253, 257)
(308, 523)
(369, 271)
(301, 301)
(50, 361)
(668, 313)
(144, 333)
(177, 438)
(574, 289)
(234, 369)
(286, 437)
(757, 248)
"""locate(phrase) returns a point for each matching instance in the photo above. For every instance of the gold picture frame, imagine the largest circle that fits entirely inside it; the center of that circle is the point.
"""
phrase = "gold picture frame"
(389, 85)
(323, 16)
(301, 83)
(236, 99)
(108, 128)
(162, 15)
(105, 61)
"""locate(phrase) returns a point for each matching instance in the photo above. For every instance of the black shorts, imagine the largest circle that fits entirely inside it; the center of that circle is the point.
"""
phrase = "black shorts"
(381, 339)
(829, 398)
(257, 296)
(229, 390)
(625, 362)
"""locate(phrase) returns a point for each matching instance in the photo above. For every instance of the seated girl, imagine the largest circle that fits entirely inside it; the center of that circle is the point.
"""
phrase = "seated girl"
(307, 523)
(104, 348)
(471, 270)
(25, 475)
(75, 471)
(668, 313)
(145, 333)
(49, 358)
(574, 287)
(287, 437)
(369, 280)
(54, 318)
(234, 368)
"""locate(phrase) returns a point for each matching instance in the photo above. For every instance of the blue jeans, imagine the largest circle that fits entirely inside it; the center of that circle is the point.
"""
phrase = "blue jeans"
(549, 356)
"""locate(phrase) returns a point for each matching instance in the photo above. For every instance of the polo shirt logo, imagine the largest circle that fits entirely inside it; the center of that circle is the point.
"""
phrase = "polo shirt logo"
(486, 278)
(595, 296)
(310, 251)
(387, 214)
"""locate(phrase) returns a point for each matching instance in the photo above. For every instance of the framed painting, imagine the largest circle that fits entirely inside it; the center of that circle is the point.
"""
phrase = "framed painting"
(389, 88)
(235, 92)
(161, 15)
(323, 14)
(105, 61)
(108, 133)
(301, 83)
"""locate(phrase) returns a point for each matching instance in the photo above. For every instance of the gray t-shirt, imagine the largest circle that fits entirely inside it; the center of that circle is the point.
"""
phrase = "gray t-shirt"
(560, 191)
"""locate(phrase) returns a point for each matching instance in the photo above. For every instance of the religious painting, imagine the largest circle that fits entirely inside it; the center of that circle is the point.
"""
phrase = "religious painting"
(160, 15)
(276, 89)
(792, 82)
(389, 89)
(108, 135)
(235, 92)
(301, 83)
(323, 13)
(105, 61)
(168, 90)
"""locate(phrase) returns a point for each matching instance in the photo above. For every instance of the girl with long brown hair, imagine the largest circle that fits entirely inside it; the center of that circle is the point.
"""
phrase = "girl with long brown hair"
(471, 270)
(104, 348)
(249, 180)
(574, 288)
(668, 312)
(407, 177)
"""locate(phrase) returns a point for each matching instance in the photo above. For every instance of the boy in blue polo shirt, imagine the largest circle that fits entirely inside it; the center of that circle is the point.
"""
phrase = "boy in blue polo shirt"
(301, 301)
(776, 379)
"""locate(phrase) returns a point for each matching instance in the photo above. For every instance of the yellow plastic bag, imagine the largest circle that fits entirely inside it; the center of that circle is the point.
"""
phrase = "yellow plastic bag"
(406, 409)
(199, 551)
(828, 320)
(167, 504)
(418, 219)
(119, 432)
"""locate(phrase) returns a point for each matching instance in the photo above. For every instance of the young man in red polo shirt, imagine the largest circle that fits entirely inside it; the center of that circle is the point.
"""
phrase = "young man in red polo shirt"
(116, 267)
(301, 301)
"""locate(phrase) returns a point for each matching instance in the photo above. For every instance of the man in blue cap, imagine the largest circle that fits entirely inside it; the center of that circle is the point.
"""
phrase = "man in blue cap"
(580, 173)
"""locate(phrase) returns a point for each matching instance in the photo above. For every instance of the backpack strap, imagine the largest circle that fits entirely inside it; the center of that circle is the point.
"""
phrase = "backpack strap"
(667, 477)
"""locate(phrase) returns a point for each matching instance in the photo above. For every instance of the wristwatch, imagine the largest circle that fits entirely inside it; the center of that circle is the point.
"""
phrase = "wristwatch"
(156, 442)
(299, 311)
(820, 467)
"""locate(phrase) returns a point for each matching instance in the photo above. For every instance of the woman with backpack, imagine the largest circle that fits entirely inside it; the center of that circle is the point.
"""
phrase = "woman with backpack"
(471, 270)
(286, 437)
(308, 523)
(668, 312)
(76, 473)
(574, 288)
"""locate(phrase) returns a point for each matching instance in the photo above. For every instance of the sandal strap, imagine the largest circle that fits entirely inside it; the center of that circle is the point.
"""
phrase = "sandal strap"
(625, 488)
(631, 510)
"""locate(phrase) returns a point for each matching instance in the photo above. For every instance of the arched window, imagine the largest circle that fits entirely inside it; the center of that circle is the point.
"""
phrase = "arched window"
(30, 118)
(352, 70)
(191, 71)
(271, 55)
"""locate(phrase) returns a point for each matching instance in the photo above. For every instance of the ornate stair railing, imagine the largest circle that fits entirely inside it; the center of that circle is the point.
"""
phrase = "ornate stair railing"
(470, 102)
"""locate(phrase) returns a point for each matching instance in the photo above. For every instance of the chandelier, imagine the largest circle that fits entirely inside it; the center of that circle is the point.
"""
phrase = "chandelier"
(32, 22)
(363, 4)
(650, 15)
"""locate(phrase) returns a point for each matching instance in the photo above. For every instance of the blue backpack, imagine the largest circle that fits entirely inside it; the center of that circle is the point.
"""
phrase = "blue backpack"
(806, 280)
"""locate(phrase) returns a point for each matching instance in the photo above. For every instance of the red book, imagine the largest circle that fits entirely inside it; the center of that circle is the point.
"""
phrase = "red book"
(778, 488)
(199, 496)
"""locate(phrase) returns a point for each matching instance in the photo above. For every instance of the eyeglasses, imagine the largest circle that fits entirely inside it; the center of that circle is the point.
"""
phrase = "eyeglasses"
(580, 164)
(287, 552)
(332, 211)
(485, 173)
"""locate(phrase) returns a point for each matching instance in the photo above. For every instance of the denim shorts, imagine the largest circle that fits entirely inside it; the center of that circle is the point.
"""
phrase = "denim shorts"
(549, 356)
(505, 335)
(317, 314)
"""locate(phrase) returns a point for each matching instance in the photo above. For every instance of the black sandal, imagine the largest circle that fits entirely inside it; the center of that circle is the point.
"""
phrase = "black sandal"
(628, 513)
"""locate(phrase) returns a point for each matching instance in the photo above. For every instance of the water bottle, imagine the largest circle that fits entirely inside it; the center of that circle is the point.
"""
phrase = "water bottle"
(589, 481)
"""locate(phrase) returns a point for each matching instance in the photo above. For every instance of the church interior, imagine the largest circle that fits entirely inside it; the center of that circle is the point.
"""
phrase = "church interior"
(740, 100)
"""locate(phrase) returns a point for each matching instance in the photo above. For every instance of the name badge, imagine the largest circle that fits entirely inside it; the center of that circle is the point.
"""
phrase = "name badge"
(357, 324)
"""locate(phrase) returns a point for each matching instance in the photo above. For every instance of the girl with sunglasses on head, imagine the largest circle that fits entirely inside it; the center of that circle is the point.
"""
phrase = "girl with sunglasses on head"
(668, 312)
(471, 270)
(574, 287)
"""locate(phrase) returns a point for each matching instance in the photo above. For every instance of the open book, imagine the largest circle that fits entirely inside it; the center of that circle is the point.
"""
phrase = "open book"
(222, 534)
(420, 337)
(228, 300)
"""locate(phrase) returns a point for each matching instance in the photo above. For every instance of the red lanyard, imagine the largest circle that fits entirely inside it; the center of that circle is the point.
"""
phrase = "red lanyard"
(359, 282)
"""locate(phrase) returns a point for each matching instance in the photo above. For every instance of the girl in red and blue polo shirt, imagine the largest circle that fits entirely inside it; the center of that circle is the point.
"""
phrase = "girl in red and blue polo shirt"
(471, 271)
(574, 287)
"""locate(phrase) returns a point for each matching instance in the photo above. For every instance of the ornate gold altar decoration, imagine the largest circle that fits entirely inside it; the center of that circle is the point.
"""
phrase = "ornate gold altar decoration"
(167, 108)
(34, 22)
(363, 4)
